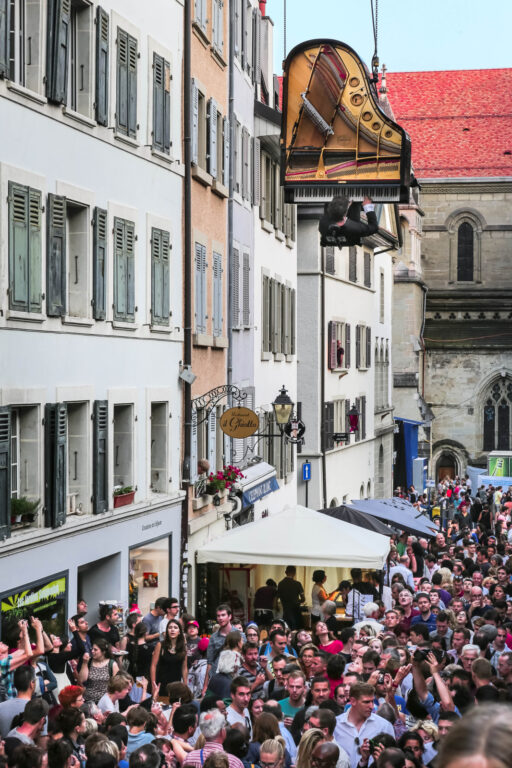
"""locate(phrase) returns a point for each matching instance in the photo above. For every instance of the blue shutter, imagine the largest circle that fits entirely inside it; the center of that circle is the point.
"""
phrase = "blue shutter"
(235, 289)
(195, 122)
(227, 144)
(132, 86)
(99, 262)
(55, 463)
(56, 256)
(161, 103)
(246, 293)
(100, 457)
(57, 50)
(217, 294)
(126, 105)
(193, 448)
(18, 248)
(102, 40)
(4, 38)
(212, 138)
(166, 277)
(200, 288)
(5, 472)
(119, 271)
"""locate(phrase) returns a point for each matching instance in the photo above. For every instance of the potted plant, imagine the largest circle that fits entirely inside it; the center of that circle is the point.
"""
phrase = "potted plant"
(123, 495)
(23, 510)
(222, 480)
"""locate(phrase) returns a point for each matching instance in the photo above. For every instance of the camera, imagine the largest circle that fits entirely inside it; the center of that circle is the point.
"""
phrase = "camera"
(380, 679)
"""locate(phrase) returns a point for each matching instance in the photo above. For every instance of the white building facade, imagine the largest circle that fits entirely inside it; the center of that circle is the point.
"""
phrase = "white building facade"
(91, 300)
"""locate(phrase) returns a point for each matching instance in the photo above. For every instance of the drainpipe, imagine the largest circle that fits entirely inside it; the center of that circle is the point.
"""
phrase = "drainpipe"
(231, 116)
(187, 289)
(322, 379)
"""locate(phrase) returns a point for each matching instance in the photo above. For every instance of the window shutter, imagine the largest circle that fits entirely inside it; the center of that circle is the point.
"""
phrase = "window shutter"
(246, 148)
(19, 269)
(100, 457)
(215, 22)
(256, 172)
(197, 11)
(204, 18)
(243, 13)
(292, 322)
(367, 269)
(330, 260)
(352, 264)
(166, 277)
(235, 291)
(246, 294)
(132, 86)
(130, 269)
(331, 345)
(161, 103)
(195, 123)
(256, 52)
(266, 300)
(284, 319)
(227, 143)
(217, 294)
(328, 425)
(226, 446)
(122, 82)
(102, 40)
(119, 270)
(358, 346)
(276, 316)
(57, 50)
(4, 50)
(212, 138)
(368, 347)
(5, 472)
(99, 262)
(157, 283)
(347, 345)
(193, 448)
(34, 250)
(362, 418)
(55, 463)
(212, 439)
(56, 256)
(347, 409)
(200, 303)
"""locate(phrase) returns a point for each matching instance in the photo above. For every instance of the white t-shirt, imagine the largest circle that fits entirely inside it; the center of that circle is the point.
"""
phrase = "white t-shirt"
(234, 717)
(106, 705)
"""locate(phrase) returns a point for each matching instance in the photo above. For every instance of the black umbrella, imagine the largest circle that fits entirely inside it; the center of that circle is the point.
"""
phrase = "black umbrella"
(398, 513)
(355, 517)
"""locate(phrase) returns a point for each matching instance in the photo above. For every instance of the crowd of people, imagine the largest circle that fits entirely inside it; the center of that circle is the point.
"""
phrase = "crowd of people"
(418, 673)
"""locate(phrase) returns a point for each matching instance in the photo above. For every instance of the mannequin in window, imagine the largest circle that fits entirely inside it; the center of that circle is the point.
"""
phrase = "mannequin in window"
(342, 221)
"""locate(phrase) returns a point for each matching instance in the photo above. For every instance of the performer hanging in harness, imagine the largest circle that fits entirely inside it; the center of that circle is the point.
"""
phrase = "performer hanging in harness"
(341, 225)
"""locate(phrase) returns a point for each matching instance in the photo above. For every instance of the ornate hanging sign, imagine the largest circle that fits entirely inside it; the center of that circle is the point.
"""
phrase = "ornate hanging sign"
(239, 422)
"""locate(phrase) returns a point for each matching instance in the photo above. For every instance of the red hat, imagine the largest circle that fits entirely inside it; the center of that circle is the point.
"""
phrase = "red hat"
(194, 622)
(70, 694)
(203, 644)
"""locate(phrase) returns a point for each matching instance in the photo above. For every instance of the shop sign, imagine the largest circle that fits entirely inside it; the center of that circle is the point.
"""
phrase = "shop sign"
(259, 491)
(45, 600)
(239, 422)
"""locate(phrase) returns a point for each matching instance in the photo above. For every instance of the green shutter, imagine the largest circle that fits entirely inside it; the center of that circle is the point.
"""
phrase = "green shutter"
(122, 82)
(4, 37)
(102, 39)
(100, 457)
(18, 248)
(161, 103)
(160, 276)
(99, 262)
(56, 257)
(119, 271)
(129, 234)
(132, 86)
(57, 50)
(34, 250)
(211, 165)
(5, 472)
(55, 463)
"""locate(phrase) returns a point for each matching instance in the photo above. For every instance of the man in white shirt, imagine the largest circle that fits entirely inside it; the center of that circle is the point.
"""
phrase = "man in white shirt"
(371, 613)
(403, 570)
(359, 724)
(237, 711)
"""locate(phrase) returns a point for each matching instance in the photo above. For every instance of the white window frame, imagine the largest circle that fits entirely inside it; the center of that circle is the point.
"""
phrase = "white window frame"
(122, 396)
(155, 47)
(116, 20)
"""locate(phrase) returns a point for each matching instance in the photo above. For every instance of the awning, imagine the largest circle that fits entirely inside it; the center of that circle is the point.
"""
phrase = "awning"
(298, 536)
(399, 513)
(258, 481)
(355, 517)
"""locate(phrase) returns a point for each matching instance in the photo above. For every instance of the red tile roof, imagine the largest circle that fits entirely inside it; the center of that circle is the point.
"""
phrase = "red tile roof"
(460, 121)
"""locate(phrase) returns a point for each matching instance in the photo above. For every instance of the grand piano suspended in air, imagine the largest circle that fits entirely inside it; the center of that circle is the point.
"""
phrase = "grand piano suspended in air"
(335, 138)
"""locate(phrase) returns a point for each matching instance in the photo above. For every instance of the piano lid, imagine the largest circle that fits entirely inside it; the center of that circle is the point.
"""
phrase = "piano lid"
(333, 132)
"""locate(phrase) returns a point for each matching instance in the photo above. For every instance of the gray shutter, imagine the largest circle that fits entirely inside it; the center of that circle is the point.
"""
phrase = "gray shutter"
(362, 418)
(132, 86)
(203, 15)
(122, 82)
(235, 289)
(156, 275)
(102, 45)
(4, 53)
(215, 23)
(368, 347)
(35, 297)
(99, 263)
(246, 148)
(18, 248)
(256, 172)
(5, 472)
(212, 439)
(158, 101)
(358, 346)
(200, 288)
(330, 260)
(226, 447)
(243, 41)
(195, 122)
(100, 457)
(119, 270)
(352, 263)
(293, 332)
(347, 409)
(227, 144)
(256, 50)
(331, 345)
(193, 448)
(167, 107)
(217, 294)
(166, 277)
(246, 293)
(367, 272)
(57, 50)
(55, 463)
(130, 269)
(56, 256)
(328, 426)
(347, 345)
(211, 165)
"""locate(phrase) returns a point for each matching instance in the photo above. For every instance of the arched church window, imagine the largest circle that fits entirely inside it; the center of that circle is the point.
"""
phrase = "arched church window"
(497, 426)
(465, 256)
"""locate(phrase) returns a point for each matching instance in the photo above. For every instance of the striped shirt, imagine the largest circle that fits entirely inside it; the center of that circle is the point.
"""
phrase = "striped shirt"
(197, 758)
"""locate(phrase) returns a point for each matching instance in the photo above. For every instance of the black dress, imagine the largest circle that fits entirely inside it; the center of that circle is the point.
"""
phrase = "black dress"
(168, 669)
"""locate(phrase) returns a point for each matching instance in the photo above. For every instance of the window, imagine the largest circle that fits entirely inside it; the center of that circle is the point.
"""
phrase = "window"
(246, 293)
(160, 276)
(200, 14)
(238, 158)
(278, 317)
(381, 296)
(100, 457)
(123, 446)
(497, 426)
(338, 340)
(213, 138)
(159, 432)
(199, 132)
(217, 295)
(352, 264)
(22, 55)
(78, 480)
(218, 25)
(126, 102)
(363, 346)
(79, 96)
(266, 320)
(124, 270)
(256, 46)
(57, 50)
(367, 269)
(289, 221)
(465, 247)
(238, 28)
(161, 104)
(200, 287)
(24, 458)
(77, 249)
(340, 415)
(25, 248)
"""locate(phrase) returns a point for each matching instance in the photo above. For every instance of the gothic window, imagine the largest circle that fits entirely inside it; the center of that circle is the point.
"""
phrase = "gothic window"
(497, 407)
(465, 239)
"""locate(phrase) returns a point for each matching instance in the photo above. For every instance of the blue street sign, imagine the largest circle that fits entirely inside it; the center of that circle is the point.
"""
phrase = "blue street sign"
(306, 471)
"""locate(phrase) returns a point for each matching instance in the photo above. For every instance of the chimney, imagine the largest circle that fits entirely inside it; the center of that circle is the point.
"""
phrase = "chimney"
(262, 7)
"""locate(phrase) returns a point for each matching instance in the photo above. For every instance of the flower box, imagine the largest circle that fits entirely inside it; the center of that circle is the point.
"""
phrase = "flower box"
(123, 499)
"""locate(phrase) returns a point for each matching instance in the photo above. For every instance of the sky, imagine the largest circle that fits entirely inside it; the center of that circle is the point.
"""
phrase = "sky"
(413, 35)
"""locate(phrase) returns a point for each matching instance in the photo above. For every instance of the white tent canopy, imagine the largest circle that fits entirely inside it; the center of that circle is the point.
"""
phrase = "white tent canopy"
(298, 536)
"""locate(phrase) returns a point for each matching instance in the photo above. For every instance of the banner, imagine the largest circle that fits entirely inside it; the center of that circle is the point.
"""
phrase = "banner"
(45, 600)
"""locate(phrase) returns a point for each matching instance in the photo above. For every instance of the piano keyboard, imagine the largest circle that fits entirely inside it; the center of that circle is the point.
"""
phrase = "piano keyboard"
(321, 194)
